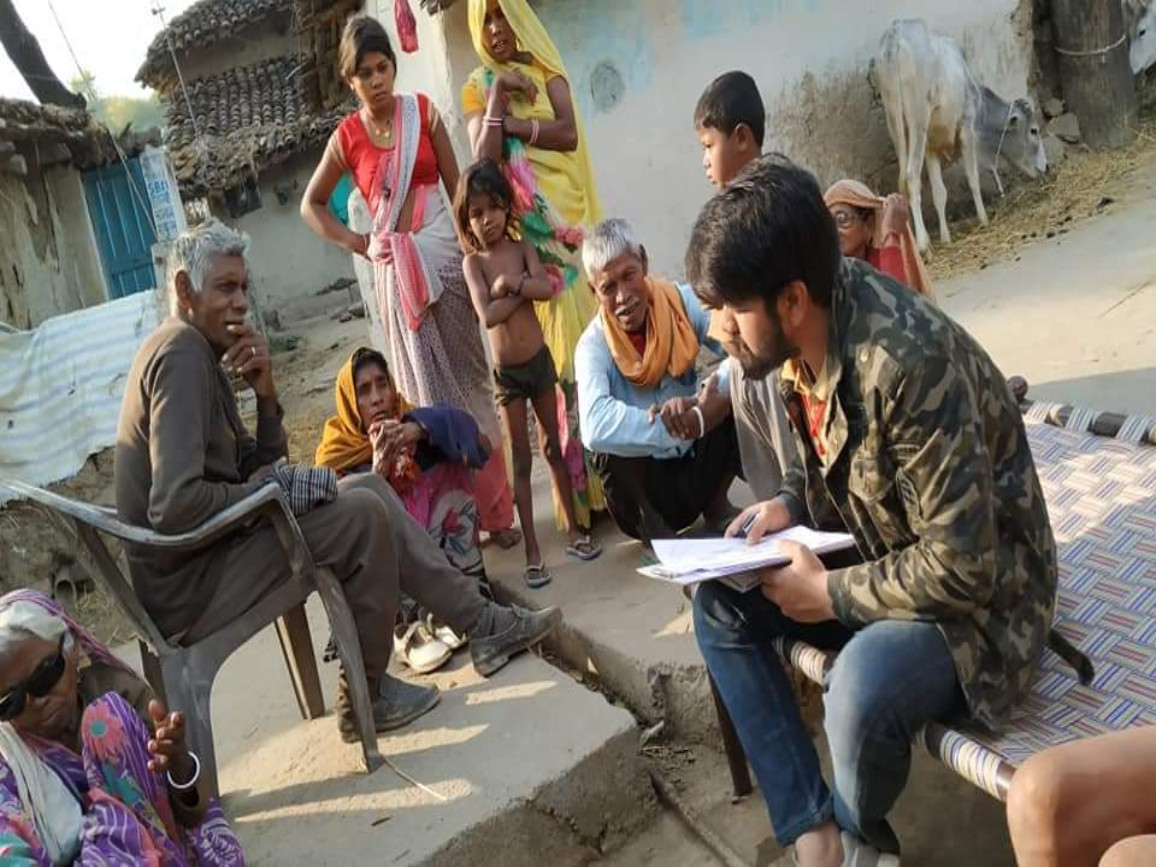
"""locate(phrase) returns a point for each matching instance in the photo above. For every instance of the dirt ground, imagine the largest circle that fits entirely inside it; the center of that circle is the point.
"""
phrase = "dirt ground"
(1084, 186)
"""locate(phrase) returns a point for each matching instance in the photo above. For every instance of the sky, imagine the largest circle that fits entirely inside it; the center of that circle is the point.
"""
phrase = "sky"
(110, 38)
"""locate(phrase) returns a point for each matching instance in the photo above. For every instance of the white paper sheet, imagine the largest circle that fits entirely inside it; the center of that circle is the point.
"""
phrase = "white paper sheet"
(689, 561)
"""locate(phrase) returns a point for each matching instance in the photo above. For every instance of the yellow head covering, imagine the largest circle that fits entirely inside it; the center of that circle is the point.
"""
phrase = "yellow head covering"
(345, 443)
(533, 39)
(532, 36)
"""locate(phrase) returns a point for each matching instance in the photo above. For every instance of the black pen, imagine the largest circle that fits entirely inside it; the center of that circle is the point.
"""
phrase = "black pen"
(747, 524)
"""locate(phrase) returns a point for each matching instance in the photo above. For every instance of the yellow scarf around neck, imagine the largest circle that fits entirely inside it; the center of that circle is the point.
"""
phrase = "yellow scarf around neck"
(671, 344)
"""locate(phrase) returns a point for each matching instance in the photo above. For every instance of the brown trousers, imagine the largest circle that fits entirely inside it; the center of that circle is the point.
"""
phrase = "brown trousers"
(375, 549)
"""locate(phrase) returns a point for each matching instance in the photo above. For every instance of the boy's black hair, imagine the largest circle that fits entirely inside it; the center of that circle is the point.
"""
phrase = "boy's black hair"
(483, 178)
(768, 228)
(729, 100)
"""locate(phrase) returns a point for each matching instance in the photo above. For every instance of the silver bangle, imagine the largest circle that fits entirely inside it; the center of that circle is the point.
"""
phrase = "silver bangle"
(184, 787)
(701, 422)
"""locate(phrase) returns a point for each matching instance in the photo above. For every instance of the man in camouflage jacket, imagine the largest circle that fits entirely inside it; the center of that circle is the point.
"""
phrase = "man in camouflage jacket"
(909, 438)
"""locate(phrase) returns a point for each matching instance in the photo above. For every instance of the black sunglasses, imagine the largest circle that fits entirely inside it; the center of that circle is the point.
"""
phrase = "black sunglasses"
(39, 684)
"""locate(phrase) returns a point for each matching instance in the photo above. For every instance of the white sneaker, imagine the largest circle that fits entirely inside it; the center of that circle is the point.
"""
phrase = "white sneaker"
(418, 649)
(444, 633)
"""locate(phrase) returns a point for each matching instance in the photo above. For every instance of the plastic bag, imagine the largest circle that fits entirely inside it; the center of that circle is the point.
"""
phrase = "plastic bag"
(406, 26)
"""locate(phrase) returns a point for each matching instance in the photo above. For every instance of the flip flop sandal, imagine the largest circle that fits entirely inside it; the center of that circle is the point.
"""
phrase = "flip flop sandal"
(536, 576)
(584, 549)
(506, 539)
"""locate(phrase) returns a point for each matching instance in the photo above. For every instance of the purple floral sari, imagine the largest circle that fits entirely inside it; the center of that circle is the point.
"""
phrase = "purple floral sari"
(127, 815)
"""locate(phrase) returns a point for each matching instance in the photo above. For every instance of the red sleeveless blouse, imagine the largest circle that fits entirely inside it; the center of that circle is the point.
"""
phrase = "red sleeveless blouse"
(361, 156)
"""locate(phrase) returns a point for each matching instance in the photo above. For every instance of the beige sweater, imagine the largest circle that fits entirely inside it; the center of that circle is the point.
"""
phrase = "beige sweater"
(183, 455)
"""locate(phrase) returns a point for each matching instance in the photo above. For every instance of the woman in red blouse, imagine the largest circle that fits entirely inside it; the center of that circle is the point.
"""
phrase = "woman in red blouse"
(875, 229)
(398, 151)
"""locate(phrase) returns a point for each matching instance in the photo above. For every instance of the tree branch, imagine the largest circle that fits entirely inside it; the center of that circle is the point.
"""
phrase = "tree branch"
(22, 47)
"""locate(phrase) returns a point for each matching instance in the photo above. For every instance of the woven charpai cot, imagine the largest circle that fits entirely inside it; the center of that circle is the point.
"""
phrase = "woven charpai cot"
(1101, 495)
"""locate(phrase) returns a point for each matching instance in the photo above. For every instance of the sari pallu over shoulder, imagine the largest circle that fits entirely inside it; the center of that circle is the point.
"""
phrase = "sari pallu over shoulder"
(400, 254)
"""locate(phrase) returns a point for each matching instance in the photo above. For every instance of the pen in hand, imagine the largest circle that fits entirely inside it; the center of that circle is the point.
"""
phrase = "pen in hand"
(746, 527)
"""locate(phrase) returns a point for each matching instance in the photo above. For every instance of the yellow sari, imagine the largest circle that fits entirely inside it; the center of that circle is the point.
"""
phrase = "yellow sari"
(557, 195)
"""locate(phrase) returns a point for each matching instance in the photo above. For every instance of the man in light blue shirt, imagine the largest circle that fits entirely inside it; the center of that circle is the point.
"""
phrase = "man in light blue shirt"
(664, 448)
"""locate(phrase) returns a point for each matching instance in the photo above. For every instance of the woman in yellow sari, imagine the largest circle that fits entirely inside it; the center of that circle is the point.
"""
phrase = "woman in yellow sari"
(520, 113)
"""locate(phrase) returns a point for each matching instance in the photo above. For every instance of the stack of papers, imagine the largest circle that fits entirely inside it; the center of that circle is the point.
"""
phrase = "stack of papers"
(735, 561)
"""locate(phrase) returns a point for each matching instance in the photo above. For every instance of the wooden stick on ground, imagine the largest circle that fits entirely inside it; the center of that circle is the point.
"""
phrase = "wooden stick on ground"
(672, 799)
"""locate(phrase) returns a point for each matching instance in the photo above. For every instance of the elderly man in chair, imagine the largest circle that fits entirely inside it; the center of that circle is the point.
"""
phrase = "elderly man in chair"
(183, 455)
(665, 449)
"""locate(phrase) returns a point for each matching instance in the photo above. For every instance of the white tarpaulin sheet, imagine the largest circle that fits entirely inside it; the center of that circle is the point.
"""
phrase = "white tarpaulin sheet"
(61, 386)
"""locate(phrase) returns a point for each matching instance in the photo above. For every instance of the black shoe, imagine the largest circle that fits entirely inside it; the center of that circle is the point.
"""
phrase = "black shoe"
(396, 704)
(491, 652)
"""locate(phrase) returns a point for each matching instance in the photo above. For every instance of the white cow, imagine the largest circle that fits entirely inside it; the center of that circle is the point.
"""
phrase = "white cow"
(1140, 21)
(935, 108)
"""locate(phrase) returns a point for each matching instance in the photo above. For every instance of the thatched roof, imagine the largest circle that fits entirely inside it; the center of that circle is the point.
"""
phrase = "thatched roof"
(21, 120)
(88, 143)
(199, 26)
(247, 119)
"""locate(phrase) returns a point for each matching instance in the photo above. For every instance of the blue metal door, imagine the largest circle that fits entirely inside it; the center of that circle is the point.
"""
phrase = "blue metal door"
(118, 207)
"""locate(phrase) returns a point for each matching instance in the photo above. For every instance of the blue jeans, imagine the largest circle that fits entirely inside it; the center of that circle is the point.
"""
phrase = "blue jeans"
(890, 678)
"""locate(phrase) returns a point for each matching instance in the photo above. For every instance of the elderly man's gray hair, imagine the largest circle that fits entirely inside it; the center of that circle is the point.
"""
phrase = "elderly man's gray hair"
(195, 248)
(606, 242)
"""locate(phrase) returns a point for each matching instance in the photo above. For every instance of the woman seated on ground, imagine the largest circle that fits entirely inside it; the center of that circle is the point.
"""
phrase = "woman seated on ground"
(1086, 803)
(876, 229)
(427, 456)
(93, 769)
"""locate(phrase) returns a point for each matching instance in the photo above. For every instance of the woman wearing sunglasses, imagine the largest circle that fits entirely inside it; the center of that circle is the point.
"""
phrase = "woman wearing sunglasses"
(93, 769)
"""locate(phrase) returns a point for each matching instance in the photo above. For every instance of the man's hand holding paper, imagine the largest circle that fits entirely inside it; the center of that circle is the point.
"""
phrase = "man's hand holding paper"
(800, 587)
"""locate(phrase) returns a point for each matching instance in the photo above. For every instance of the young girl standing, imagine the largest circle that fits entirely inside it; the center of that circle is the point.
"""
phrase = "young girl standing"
(505, 277)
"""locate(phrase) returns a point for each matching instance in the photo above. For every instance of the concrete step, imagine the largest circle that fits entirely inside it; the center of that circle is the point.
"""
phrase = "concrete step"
(527, 762)
(634, 633)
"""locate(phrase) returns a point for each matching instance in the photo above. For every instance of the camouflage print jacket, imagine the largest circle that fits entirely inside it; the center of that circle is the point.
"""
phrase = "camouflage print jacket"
(928, 467)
